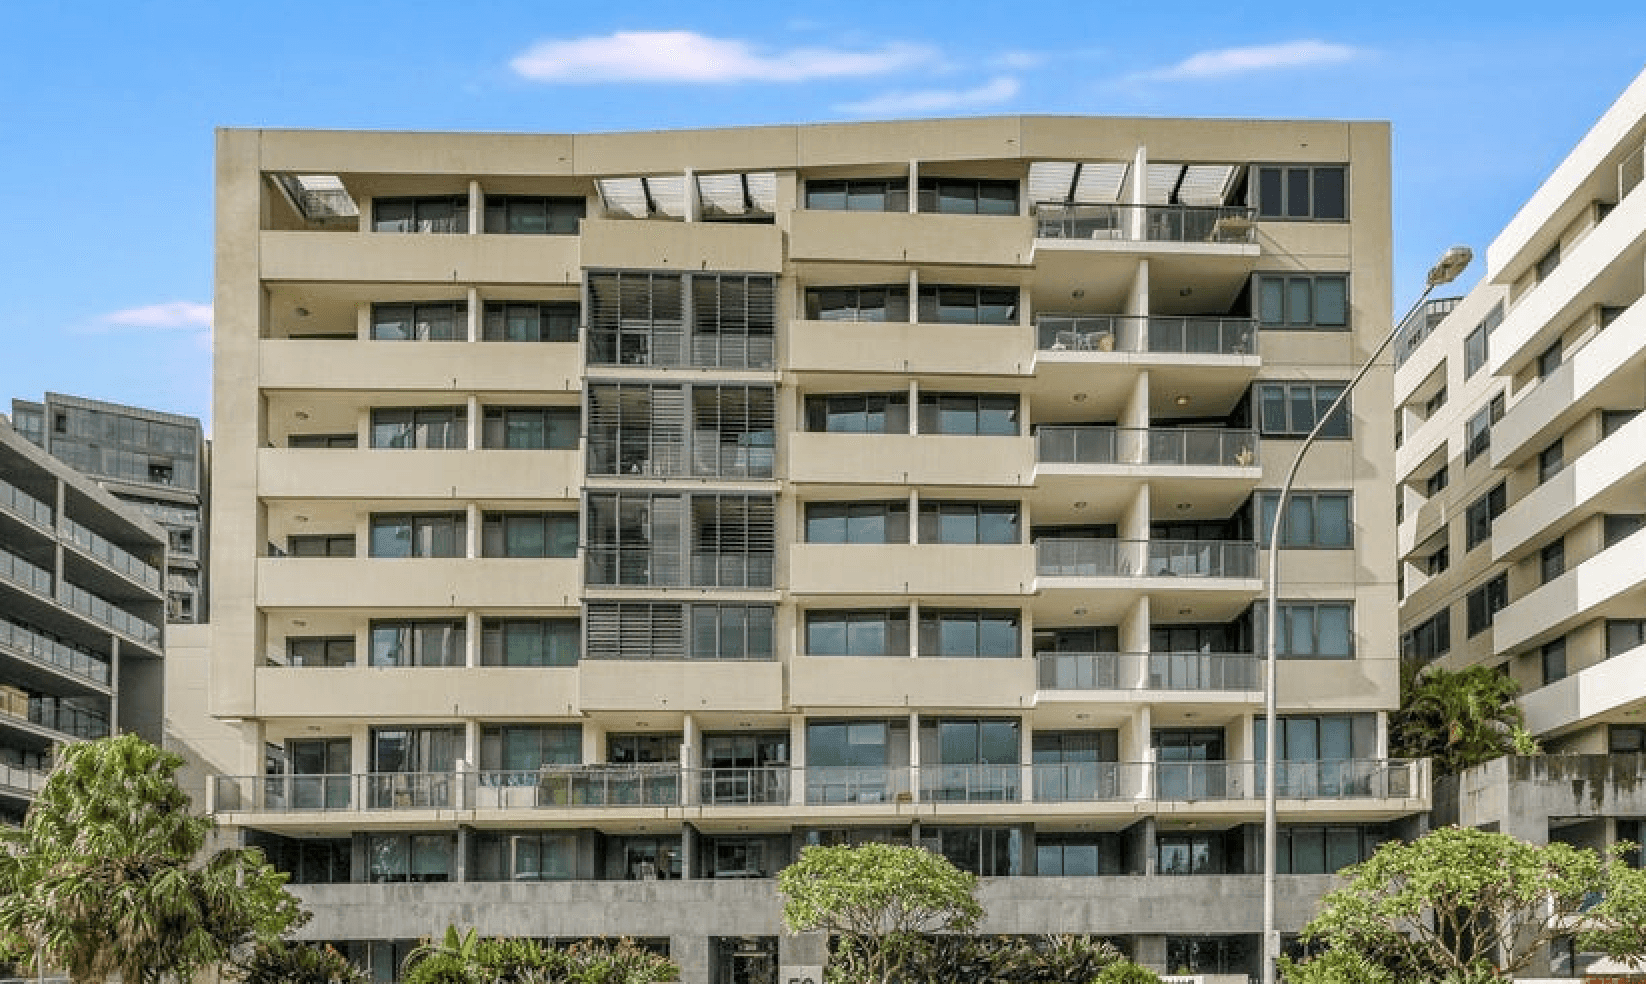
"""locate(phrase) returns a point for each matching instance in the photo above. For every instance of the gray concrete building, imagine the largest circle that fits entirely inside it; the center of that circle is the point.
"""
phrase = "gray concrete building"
(82, 625)
(152, 460)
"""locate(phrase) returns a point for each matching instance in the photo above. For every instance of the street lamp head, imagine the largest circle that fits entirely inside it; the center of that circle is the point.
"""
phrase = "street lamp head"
(1452, 263)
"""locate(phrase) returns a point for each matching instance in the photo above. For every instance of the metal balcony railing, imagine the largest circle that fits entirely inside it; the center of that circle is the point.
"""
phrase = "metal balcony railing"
(52, 712)
(1136, 334)
(20, 503)
(23, 780)
(1153, 223)
(1104, 444)
(577, 787)
(100, 611)
(1182, 672)
(1097, 557)
(43, 649)
(19, 571)
(115, 557)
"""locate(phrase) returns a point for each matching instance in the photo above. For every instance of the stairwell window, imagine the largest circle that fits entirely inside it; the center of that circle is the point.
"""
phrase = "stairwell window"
(1303, 192)
(1301, 302)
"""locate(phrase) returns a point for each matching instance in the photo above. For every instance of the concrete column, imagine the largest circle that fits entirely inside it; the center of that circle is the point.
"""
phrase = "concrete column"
(471, 638)
(594, 743)
(689, 745)
(1382, 734)
(1134, 639)
(1136, 747)
(471, 530)
(688, 852)
(914, 516)
(475, 421)
(914, 630)
(476, 308)
(1137, 193)
(914, 290)
(914, 754)
(914, 187)
(1150, 951)
(691, 954)
(362, 321)
(477, 208)
(1134, 333)
(1134, 529)
(1025, 755)
(797, 760)
(460, 855)
(914, 408)
(694, 202)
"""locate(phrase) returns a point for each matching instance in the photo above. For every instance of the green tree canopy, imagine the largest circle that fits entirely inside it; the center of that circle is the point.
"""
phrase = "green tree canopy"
(880, 899)
(106, 873)
(1458, 720)
(1452, 901)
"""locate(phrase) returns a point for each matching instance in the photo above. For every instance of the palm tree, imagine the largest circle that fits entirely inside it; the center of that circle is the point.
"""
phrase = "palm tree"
(1458, 719)
(106, 874)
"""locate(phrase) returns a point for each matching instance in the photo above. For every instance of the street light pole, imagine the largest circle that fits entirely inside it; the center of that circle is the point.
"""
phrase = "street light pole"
(1452, 263)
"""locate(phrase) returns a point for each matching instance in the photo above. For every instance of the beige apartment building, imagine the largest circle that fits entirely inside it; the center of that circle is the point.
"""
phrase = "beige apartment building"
(1522, 468)
(600, 519)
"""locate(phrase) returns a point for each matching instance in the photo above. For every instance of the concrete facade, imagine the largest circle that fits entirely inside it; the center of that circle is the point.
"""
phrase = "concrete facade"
(82, 632)
(600, 519)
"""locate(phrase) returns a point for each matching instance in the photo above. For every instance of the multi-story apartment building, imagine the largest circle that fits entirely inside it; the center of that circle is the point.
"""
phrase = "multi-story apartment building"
(81, 617)
(599, 519)
(152, 460)
(1523, 468)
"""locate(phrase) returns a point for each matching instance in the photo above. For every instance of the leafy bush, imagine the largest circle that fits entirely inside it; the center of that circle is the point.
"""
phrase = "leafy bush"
(1126, 972)
(1336, 967)
(296, 963)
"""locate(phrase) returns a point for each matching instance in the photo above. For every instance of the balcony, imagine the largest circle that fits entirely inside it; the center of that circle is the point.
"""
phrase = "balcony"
(904, 347)
(1095, 557)
(49, 652)
(899, 682)
(647, 790)
(1171, 673)
(326, 257)
(111, 556)
(908, 459)
(1102, 334)
(341, 473)
(444, 583)
(1219, 224)
(900, 237)
(480, 367)
(659, 685)
(843, 569)
(24, 506)
(1172, 447)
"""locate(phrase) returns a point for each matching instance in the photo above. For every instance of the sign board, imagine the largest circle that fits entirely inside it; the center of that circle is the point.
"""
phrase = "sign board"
(800, 974)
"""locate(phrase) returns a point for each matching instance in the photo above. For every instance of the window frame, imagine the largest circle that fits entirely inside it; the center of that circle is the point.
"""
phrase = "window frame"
(941, 510)
(551, 633)
(1285, 621)
(414, 318)
(1285, 174)
(1289, 391)
(555, 211)
(557, 534)
(1490, 504)
(418, 426)
(1552, 661)
(1289, 285)
(333, 650)
(936, 195)
(892, 515)
(497, 320)
(1484, 601)
(560, 426)
(1551, 560)
(894, 632)
(939, 412)
(415, 222)
(823, 409)
(939, 628)
(414, 642)
(422, 535)
(1297, 500)
(855, 193)
(1551, 460)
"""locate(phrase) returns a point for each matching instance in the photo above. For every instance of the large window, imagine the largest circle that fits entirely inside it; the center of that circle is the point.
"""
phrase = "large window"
(530, 321)
(1477, 433)
(422, 427)
(1308, 850)
(992, 634)
(530, 428)
(968, 413)
(1477, 344)
(409, 857)
(857, 522)
(1552, 660)
(638, 317)
(529, 747)
(1313, 519)
(1303, 301)
(533, 534)
(969, 522)
(434, 213)
(1299, 192)
(431, 321)
(529, 642)
(1617, 527)
(1624, 634)
(859, 195)
(320, 651)
(879, 632)
(968, 305)
(320, 545)
(534, 214)
(525, 856)
(1551, 561)
(1550, 461)
(968, 196)
(1549, 360)
(418, 535)
(1292, 409)
(1309, 629)
(1477, 518)
(1429, 639)
(420, 642)
(1486, 601)
(858, 413)
(877, 303)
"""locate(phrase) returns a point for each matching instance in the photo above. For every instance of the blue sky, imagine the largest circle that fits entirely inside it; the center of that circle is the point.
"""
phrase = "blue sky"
(107, 110)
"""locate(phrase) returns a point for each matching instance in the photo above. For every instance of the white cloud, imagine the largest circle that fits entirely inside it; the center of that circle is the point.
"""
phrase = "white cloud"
(163, 316)
(1256, 58)
(686, 56)
(1018, 60)
(991, 93)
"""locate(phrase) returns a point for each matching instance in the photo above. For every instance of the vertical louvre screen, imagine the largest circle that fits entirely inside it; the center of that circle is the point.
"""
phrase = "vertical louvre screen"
(635, 631)
(734, 431)
(641, 538)
(637, 429)
(641, 318)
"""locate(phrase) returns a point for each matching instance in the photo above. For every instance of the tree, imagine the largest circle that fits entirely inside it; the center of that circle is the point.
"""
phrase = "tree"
(465, 958)
(105, 876)
(1459, 720)
(1459, 900)
(880, 899)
